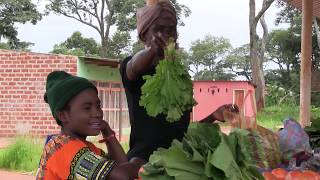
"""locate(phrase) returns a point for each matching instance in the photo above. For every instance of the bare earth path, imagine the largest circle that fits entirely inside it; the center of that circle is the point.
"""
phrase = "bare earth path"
(6, 175)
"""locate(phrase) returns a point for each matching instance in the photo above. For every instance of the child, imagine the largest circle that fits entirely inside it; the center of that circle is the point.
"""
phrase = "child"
(75, 105)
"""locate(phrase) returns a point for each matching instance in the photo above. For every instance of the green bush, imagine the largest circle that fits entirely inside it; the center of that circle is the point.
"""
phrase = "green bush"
(23, 155)
(277, 95)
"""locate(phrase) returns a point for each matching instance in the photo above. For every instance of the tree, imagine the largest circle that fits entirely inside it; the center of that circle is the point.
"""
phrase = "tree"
(77, 45)
(119, 45)
(62, 49)
(102, 15)
(284, 51)
(205, 58)
(11, 12)
(238, 62)
(256, 55)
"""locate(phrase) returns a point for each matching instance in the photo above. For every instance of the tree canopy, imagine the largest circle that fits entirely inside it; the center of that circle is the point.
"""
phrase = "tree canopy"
(11, 12)
(102, 15)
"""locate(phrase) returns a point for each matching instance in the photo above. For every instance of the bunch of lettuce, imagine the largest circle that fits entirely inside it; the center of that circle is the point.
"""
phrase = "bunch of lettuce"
(169, 91)
(204, 154)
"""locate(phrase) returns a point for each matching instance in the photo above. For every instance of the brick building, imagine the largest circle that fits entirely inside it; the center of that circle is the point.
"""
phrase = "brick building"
(22, 85)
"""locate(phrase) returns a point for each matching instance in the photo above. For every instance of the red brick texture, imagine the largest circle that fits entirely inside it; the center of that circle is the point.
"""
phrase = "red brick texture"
(22, 85)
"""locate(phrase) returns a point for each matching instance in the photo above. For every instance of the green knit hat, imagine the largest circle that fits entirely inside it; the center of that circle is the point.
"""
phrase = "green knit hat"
(61, 87)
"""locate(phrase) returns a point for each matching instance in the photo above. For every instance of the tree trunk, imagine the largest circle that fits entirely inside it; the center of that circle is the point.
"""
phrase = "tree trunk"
(256, 57)
(105, 33)
(104, 47)
(261, 101)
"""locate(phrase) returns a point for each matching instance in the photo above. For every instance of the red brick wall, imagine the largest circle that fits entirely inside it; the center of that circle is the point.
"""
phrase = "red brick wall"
(22, 85)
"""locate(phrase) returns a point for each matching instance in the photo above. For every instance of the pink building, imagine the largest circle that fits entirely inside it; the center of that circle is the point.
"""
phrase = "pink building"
(212, 94)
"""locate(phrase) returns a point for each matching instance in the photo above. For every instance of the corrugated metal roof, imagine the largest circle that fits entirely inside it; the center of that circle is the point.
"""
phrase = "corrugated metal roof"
(298, 4)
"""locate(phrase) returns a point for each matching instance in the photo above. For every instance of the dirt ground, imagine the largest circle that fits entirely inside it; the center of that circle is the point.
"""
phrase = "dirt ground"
(6, 175)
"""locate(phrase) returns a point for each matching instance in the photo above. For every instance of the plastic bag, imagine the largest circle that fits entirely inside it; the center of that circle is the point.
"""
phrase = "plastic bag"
(293, 139)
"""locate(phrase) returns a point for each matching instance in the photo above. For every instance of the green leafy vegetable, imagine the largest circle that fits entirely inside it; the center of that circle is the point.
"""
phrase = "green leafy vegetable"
(169, 90)
(205, 153)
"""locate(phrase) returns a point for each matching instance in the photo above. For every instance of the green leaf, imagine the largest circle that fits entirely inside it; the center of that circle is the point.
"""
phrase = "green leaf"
(170, 90)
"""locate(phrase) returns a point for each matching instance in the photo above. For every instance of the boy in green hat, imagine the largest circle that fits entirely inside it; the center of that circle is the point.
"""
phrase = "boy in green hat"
(75, 105)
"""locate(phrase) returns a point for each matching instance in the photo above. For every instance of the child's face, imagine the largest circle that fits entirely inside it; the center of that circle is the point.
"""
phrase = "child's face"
(84, 116)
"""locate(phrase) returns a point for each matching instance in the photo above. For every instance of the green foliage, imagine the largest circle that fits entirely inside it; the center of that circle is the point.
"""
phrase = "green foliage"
(12, 12)
(62, 49)
(107, 14)
(206, 56)
(238, 61)
(16, 45)
(272, 117)
(315, 99)
(283, 50)
(205, 153)
(169, 91)
(314, 130)
(119, 45)
(5, 46)
(276, 95)
(77, 45)
(23, 155)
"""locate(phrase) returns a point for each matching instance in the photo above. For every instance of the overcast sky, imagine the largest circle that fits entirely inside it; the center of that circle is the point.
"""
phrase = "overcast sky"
(227, 18)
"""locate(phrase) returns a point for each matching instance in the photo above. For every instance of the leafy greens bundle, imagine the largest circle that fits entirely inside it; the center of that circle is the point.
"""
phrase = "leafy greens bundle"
(205, 154)
(169, 91)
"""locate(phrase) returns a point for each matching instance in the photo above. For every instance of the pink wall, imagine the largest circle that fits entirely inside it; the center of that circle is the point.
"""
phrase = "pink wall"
(212, 94)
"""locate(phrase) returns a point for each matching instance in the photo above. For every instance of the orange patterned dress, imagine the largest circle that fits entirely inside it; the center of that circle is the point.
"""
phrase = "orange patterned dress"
(65, 157)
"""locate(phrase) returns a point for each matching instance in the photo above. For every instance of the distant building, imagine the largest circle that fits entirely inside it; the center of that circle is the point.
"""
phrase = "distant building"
(212, 94)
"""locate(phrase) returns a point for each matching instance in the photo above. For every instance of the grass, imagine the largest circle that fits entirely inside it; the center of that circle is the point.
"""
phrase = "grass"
(23, 155)
(272, 117)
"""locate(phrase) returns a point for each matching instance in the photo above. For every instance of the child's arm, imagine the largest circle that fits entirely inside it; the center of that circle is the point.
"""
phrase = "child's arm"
(115, 150)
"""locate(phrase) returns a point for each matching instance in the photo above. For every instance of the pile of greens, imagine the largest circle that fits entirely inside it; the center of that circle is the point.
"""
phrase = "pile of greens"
(314, 133)
(169, 91)
(204, 154)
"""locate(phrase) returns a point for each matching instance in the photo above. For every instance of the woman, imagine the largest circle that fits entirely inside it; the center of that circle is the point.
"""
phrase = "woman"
(156, 24)
(75, 105)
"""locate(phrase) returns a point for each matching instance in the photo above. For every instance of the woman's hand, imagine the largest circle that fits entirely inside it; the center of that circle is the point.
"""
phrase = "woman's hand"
(225, 110)
(157, 45)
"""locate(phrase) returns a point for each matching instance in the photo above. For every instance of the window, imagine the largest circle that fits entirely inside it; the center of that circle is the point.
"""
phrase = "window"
(110, 94)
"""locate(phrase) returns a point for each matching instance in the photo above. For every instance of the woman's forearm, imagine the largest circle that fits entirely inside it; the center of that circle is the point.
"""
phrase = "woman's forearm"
(209, 119)
(140, 63)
